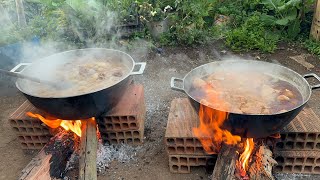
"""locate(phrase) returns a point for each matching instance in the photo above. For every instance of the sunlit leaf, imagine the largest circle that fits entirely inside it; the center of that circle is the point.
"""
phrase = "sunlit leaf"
(291, 3)
(282, 22)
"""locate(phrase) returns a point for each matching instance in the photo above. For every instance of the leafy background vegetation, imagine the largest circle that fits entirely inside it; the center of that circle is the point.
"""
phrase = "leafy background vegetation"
(251, 24)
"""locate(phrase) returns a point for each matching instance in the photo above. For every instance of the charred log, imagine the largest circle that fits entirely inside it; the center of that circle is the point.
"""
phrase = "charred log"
(51, 161)
(260, 166)
(226, 163)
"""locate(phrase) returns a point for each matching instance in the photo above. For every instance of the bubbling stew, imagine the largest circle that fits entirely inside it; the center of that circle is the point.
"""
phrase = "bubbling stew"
(246, 93)
(87, 76)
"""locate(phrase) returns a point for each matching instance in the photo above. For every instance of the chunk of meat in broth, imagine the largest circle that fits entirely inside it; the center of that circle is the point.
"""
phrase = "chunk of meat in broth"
(252, 107)
(288, 93)
(283, 98)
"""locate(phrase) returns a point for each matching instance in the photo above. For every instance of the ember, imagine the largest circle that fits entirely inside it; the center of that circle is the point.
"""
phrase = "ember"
(72, 125)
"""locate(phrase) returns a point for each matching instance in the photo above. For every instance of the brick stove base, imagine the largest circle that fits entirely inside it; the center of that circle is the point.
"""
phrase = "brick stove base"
(303, 133)
(31, 133)
(298, 150)
(124, 124)
(298, 162)
(184, 149)
(183, 163)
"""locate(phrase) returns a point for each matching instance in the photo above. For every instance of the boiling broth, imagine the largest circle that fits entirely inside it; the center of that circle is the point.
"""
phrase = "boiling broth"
(246, 93)
(87, 76)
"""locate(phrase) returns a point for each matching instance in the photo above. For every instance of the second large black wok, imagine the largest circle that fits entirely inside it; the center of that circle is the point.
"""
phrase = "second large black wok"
(251, 125)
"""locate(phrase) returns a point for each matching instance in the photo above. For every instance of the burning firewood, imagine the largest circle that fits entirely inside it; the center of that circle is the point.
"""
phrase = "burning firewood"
(227, 166)
(52, 159)
(262, 166)
(226, 163)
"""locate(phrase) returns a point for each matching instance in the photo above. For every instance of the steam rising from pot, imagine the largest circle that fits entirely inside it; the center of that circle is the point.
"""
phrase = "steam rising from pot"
(91, 22)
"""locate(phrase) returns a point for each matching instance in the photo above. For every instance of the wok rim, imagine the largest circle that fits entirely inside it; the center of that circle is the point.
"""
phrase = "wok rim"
(255, 61)
(79, 94)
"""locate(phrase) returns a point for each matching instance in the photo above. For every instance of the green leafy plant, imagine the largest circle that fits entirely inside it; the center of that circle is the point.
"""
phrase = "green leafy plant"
(153, 13)
(252, 35)
(313, 46)
(81, 21)
(189, 22)
(277, 20)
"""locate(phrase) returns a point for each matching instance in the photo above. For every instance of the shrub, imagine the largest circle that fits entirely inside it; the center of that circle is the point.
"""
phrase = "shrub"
(252, 35)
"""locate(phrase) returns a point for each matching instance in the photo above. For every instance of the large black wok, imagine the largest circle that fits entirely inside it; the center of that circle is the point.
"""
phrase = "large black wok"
(245, 125)
(92, 103)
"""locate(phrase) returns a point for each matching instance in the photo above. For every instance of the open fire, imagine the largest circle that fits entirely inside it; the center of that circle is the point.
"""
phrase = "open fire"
(245, 157)
(212, 135)
(68, 125)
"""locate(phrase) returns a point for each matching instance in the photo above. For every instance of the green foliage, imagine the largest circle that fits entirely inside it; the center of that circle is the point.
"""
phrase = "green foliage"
(277, 20)
(81, 21)
(251, 24)
(9, 35)
(152, 13)
(190, 22)
(252, 35)
(313, 46)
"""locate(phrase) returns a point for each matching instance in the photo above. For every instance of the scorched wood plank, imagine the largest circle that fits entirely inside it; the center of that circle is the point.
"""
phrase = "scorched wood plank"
(88, 151)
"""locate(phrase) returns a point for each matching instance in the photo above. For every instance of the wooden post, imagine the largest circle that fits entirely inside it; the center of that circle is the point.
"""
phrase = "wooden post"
(88, 150)
(315, 28)
(50, 163)
(20, 13)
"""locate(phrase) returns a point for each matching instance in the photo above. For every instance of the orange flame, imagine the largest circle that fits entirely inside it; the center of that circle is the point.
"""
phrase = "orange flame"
(210, 133)
(73, 125)
(244, 157)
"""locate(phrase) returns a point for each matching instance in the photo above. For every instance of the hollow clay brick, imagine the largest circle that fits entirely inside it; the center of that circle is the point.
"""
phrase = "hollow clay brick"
(303, 133)
(183, 163)
(306, 162)
(179, 137)
(127, 114)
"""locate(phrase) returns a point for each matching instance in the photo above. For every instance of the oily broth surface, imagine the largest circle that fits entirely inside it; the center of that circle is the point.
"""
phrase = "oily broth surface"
(86, 76)
(246, 93)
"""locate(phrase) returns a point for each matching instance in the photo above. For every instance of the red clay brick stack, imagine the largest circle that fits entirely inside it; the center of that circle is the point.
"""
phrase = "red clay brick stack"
(31, 133)
(183, 148)
(125, 122)
(298, 150)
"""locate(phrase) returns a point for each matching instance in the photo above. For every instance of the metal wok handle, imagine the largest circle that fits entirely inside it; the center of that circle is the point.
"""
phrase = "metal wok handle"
(18, 66)
(174, 80)
(314, 76)
(141, 69)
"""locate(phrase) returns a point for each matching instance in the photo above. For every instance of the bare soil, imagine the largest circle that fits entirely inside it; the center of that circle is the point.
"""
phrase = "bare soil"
(151, 161)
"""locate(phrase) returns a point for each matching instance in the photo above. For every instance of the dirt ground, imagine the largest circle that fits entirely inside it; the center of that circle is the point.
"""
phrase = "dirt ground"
(152, 162)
